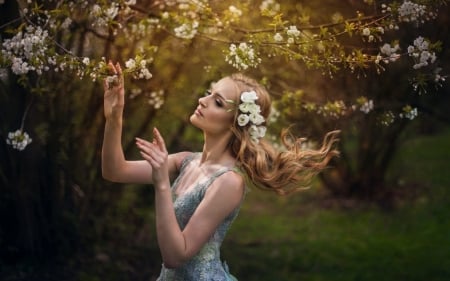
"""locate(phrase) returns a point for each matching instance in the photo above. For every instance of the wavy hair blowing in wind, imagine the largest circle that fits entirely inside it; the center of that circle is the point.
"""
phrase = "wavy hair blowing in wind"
(285, 171)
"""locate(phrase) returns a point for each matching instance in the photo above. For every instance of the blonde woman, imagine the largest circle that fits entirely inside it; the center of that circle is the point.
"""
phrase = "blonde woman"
(198, 194)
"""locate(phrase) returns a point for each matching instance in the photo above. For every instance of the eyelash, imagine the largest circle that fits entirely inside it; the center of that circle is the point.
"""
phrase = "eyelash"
(218, 102)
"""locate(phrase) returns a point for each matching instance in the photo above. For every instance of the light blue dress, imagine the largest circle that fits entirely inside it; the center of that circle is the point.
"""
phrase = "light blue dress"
(206, 264)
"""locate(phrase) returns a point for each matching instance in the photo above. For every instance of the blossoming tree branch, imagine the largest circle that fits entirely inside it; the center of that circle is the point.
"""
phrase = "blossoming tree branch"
(250, 34)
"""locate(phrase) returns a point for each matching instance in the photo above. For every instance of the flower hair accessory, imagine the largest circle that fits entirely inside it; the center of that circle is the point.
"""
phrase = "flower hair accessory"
(250, 114)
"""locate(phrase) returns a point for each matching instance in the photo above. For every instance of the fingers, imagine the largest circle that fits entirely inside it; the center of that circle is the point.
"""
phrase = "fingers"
(151, 152)
(159, 140)
(119, 72)
(115, 78)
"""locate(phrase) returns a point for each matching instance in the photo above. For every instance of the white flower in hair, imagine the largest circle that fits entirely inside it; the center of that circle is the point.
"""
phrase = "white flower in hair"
(256, 118)
(250, 114)
(243, 119)
(249, 97)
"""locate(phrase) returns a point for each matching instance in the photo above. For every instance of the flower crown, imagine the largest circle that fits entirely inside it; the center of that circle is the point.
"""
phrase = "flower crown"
(250, 114)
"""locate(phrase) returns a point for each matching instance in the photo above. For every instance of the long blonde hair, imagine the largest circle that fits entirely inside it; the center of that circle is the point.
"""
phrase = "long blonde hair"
(264, 166)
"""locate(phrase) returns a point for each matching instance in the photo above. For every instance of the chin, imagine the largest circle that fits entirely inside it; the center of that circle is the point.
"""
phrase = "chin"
(194, 120)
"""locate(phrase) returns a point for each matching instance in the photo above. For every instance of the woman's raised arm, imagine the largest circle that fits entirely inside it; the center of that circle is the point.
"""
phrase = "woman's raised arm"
(114, 166)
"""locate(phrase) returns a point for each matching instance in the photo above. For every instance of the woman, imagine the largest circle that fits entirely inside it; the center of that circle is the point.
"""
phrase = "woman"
(193, 215)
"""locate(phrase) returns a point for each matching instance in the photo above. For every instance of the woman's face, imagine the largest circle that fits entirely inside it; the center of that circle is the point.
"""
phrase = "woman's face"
(215, 113)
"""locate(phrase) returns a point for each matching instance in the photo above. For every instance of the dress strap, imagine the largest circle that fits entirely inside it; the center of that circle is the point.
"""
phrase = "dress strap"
(183, 165)
(212, 178)
(186, 160)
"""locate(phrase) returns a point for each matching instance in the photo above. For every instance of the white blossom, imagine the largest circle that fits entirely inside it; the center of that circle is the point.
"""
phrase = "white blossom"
(130, 64)
(390, 52)
(243, 119)
(156, 99)
(366, 31)
(186, 30)
(278, 37)
(250, 114)
(409, 112)
(26, 51)
(269, 7)
(409, 11)
(235, 11)
(367, 106)
(420, 53)
(293, 31)
(18, 139)
(249, 97)
(242, 56)
(86, 60)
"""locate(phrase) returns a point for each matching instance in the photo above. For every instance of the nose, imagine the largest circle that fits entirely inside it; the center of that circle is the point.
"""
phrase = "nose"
(202, 102)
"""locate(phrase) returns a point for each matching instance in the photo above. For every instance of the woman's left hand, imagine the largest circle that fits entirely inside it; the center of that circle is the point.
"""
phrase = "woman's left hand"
(155, 153)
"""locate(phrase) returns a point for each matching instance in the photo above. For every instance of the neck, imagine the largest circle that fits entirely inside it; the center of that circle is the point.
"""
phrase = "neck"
(216, 151)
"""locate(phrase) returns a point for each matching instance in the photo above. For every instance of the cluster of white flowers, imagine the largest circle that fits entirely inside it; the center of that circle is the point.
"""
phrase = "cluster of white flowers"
(111, 80)
(101, 16)
(250, 114)
(235, 12)
(371, 35)
(387, 118)
(138, 68)
(66, 23)
(409, 112)
(421, 53)
(278, 37)
(242, 57)
(18, 139)
(269, 8)
(367, 106)
(27, 50)
(143, 27)
(292, 33)
(437, 75)
(186, 30)
(333, 109)
(156, 99)
(187, 6)
(410, 12)
(390, 52)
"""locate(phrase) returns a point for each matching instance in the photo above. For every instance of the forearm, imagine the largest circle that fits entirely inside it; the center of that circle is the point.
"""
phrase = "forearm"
(113, 159)
(171, 241)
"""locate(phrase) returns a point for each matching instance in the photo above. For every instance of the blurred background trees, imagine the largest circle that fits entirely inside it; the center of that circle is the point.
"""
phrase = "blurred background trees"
(328, 65)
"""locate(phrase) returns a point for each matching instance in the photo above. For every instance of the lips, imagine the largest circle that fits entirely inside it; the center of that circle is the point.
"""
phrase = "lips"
(198, 112)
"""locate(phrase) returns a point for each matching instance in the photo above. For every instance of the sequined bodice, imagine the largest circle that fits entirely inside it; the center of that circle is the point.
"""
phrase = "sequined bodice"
(206, 264)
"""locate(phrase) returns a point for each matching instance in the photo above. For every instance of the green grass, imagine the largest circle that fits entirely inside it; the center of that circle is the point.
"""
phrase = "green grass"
(291, 238)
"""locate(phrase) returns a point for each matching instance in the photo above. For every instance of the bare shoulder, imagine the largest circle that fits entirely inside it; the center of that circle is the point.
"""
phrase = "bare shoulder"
(229, 185)
(232, 179)
(177, 158)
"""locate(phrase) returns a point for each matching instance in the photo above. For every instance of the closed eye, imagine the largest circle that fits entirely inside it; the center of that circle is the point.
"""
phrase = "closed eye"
(217, 100)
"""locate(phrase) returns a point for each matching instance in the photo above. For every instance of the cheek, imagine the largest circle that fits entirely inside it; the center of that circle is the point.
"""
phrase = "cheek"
(222, 121)
(226, 119)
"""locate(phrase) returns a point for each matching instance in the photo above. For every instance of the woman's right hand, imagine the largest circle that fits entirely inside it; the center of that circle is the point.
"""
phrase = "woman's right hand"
(114, 92)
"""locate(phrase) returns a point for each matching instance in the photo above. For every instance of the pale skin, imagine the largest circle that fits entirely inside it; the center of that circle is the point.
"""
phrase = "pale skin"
(214, 116)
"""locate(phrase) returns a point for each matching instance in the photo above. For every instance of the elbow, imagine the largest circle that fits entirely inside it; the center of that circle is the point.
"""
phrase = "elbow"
(173, 261)
(172, 264)
(108, 175)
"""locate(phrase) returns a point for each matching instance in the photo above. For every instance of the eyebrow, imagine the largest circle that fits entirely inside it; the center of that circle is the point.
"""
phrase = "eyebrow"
(222, 98)
(219, 95)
